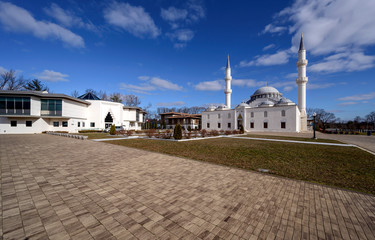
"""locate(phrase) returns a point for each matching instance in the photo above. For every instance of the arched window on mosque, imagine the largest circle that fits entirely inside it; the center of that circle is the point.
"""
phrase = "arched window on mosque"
(283, 113)
(265, 113)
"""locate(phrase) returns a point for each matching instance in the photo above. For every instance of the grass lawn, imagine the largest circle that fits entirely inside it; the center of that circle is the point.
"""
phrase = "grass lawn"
(345, 167)
(290, 138)
(98, 135)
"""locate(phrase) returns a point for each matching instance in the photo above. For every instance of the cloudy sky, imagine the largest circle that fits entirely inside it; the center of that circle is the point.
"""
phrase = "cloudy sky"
(173, 53)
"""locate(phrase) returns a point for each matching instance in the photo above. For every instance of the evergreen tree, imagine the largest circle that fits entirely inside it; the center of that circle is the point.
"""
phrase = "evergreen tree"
(35, 85)
(112, 131)
(177, 133)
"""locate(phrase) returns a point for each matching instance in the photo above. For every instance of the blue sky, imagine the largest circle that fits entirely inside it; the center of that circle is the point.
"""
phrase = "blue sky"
(173, 53)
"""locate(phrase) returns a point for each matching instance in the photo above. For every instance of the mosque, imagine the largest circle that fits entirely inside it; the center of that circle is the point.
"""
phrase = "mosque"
(266, 110)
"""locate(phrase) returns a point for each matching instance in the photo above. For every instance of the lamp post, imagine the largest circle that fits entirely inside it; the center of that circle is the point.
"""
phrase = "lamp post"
(314, 115)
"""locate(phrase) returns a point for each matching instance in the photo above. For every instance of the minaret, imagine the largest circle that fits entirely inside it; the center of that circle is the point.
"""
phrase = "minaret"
(301, 82)
(228, 90)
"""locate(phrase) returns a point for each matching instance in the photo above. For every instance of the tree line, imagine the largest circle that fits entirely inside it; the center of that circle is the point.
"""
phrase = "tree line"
(9, 81)
(326, 120)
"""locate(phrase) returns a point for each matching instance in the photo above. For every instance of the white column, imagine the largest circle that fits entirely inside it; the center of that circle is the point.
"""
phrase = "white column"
(228, 90)
(301, 82)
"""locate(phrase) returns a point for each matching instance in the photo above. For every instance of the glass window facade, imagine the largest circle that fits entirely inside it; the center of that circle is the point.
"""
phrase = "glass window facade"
(14, 106)
(51, 107)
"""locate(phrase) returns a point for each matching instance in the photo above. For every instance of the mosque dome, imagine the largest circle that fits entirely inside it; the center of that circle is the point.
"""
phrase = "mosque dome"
(221, 107)
(265, 90)
(243, 105)
(284, 101)
(211, 108)
(266, 104)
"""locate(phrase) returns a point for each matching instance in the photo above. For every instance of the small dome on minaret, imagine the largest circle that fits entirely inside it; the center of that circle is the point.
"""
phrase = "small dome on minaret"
(301, 45)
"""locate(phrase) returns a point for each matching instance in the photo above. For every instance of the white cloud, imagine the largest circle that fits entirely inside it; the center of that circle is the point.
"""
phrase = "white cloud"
(168, 104)
(270, 28)
(17, 19)
(348, 103)
(179, 45)
(288, 88)
(52, 76)
(143, 88)
(210, 85)
(133, 19)
(143, 78)
(278, 58)
(342, 29)
(348, 61)
(68, 18)
(246, 83)
(359, 97)
(165, 84)
(151, 84)
(313, 86)
(292, 75)
(269, 46)
(182, 35)
(173, 14)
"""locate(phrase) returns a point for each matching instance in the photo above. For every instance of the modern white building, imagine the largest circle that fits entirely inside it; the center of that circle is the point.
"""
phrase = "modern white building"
(266, 110)
(36, 112)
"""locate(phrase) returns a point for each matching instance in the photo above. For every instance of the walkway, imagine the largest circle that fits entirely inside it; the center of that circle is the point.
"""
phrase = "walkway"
(60, 188)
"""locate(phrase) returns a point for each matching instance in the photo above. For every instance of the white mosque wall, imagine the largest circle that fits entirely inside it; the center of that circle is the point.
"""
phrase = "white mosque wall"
(218, 120)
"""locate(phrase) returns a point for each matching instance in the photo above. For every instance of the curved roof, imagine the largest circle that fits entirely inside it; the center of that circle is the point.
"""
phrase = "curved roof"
(264, 90)
(284, 100)
(243, 105)
(269, 103)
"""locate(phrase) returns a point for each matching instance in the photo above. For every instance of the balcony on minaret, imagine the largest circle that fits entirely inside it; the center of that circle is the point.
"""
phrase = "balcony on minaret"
(228, 91)
(302, 62)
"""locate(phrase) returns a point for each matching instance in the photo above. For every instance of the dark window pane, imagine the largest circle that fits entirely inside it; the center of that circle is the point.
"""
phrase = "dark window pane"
(51, 105)
(55, 124)
(10, 105)
(26, 106)
(18, 104)
(13, 123)
(58, 105)
(2, 105)
(44, 104)
(79, 124)
(29, 123)
(64, 124)
(92, 124)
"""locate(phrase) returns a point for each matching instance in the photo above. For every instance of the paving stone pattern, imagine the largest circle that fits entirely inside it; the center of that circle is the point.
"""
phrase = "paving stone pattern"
(61, 188)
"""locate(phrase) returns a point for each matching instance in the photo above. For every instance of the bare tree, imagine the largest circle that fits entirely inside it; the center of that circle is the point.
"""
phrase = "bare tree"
(370, 118)
(75, 94)
(324, 117)
(131, 100)
(10, 82)
(35, 85)
(115, 97)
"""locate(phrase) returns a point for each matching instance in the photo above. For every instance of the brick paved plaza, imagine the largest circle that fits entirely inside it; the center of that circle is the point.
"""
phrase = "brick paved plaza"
(61, 188)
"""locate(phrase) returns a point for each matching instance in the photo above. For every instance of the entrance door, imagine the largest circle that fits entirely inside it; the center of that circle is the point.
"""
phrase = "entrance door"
(108, 120)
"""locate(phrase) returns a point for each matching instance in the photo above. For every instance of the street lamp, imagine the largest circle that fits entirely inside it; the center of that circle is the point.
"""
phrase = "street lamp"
(314, 115)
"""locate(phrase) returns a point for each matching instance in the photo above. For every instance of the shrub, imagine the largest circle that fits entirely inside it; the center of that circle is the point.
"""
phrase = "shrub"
(235, 132)
(167, 134)
(214, 133)
(221, 132)
(188, 135)
(196, 133)
(189, 128)
(228, 132)
(204, 133)
(129, 133)
(177, 133)
(112, 131)
(150, 132)
(121, 132)
(158, 134)
(242, 130)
